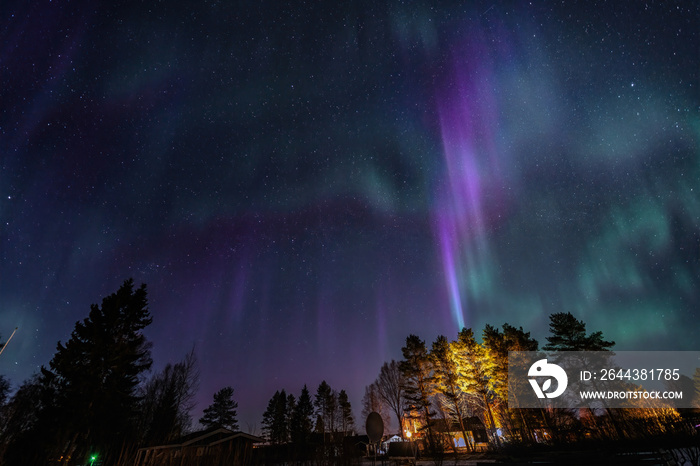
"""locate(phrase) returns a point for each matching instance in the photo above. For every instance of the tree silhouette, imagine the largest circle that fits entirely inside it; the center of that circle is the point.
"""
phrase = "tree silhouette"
(569, 334)
(347, 422)
(25, 438)
(276, 418)
(418, 382)
(167, 399)
(302, 418)
(372, 401)
(95, 374)
(389, 386)
(222, 412)
(326, 403)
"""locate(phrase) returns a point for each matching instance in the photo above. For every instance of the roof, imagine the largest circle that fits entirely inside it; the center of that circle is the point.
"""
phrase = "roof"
(208, 437)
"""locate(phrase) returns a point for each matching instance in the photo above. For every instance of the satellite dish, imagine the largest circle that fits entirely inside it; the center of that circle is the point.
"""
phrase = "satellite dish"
(374, 427)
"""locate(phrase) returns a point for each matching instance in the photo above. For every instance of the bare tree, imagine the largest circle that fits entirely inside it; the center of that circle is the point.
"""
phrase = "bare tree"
(390, 389)
(167, 400)
(372, 402)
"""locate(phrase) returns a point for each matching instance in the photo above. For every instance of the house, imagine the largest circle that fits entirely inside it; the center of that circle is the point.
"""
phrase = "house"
(213, 446)
(476, 432)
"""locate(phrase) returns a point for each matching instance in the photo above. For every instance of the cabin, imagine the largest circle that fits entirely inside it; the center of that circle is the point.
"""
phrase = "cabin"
(208, 447)
(476, 432)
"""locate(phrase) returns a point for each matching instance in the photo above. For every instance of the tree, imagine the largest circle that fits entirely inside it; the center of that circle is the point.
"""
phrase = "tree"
(24, 438)
(569, 334)
(276, 418)
(302, 418)
(418, 382)
(497, 345)
(325, 403)
(4, 390)
(472, 364)
(372, 402)
(94, 377)
(291, 407)
(347, 422)
(167, 400)
(222, 412)
(389, 386)
(447, 380)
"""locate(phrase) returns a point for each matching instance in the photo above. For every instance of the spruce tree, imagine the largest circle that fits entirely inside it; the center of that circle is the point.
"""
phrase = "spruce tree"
(418, 383)
(347, 421)
(302, 418)
(326, 404)
(94, 376)
(276, 418)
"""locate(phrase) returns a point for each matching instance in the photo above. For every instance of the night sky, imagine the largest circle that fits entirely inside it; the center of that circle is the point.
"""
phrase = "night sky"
(303, 186)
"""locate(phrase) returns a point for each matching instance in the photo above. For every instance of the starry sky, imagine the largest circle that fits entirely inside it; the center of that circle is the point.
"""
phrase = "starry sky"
(301, 186)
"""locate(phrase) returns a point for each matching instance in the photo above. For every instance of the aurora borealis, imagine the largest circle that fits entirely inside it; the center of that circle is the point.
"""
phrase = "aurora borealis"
(303, 186)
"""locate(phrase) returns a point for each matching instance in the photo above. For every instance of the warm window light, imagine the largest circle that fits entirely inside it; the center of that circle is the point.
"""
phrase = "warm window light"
(408, 434)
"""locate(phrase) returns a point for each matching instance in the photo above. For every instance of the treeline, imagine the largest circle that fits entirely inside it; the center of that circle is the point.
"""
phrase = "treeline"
(451, 382)
(288, 419)
(302, 429)
(94, 405)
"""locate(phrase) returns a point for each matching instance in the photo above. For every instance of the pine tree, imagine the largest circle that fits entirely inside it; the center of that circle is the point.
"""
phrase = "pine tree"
(447, 377)
(497, 345)
(222, 412)
(473, 375)
(418, 383)
(569, 334)
(94, 377)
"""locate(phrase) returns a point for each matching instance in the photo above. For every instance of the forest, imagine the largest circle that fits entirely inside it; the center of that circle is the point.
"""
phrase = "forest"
(93, 403)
